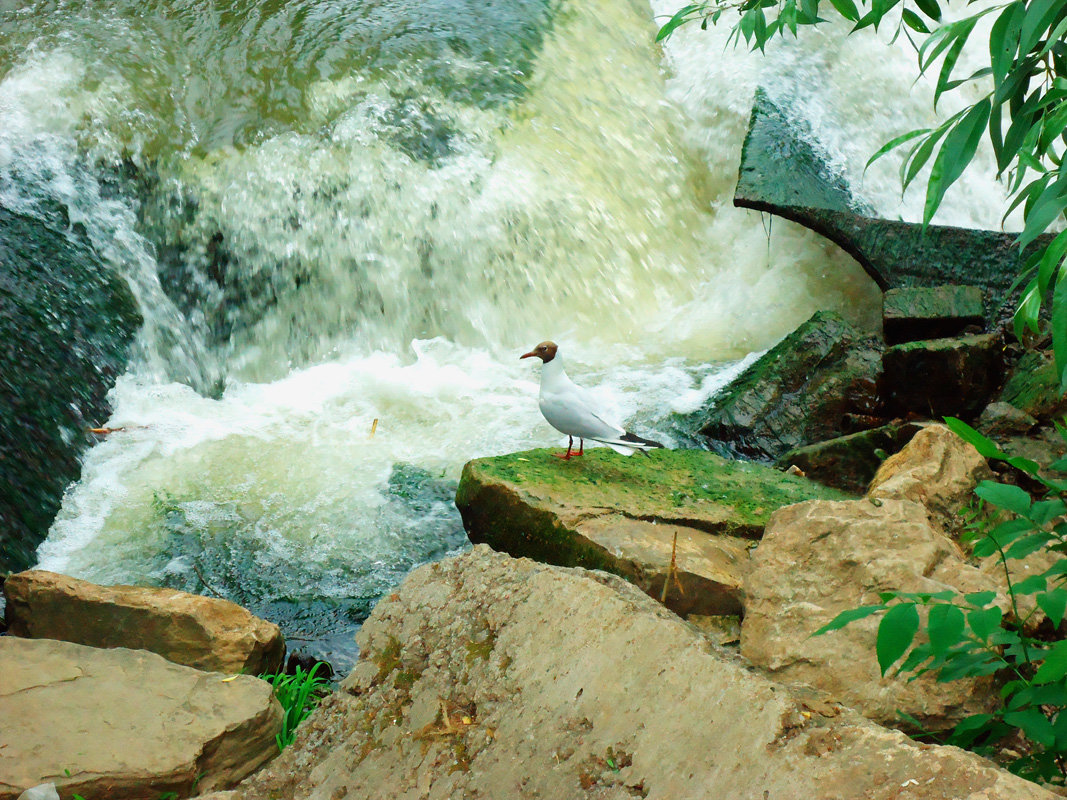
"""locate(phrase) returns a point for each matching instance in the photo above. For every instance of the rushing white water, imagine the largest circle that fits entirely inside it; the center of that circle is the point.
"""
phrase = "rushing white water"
(392, 241)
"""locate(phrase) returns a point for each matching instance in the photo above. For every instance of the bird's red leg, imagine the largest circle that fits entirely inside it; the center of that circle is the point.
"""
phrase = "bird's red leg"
(581, 447)
(568, 454)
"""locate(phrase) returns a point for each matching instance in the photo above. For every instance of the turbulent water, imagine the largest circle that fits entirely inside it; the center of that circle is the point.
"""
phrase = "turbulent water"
(337, 216)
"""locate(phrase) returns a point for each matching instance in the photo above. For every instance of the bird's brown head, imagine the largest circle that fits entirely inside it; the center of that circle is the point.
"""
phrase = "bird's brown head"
(545, 351)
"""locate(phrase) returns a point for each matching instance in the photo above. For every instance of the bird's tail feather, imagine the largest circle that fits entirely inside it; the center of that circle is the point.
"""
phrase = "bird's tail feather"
(629, 443)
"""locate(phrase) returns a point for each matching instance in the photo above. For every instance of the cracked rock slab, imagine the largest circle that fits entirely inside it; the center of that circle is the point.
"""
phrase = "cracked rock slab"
(606, 511)
(121, 723)
(203, 632)
(520, 680)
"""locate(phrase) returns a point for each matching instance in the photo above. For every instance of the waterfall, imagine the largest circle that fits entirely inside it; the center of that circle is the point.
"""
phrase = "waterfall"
(333, 214)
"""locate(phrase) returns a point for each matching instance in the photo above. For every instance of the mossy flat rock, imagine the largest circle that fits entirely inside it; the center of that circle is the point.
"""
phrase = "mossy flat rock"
(606, 511)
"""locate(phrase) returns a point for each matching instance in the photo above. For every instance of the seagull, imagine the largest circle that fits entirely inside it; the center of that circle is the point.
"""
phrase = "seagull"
(570, 410)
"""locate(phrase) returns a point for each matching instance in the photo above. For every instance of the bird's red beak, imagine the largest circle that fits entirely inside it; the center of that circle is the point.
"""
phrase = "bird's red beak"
(531, 354)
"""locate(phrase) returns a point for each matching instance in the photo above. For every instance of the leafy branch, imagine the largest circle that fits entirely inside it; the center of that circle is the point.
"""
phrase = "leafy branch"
(1022, 113)
(972, 635)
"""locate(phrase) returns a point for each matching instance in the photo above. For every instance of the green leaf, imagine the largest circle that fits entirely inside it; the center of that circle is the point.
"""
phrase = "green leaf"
(680, 17)
(1059, 323)
(1054, 604)
(1004, 495)
(1031, 585)
(894, 143)
(895, 634)
(980, 599)
(1004, 40)
(1054, 666)
(956, 153)
(914, 21)
(1034, 724)
(984, 621)
(930, 8)
(944, 627)
(847, 9)
(1040, 14)
(986, 447)
(845, 617)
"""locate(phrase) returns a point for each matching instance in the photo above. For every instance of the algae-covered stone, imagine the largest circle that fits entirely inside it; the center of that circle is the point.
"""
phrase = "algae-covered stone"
(1032, 386)
(799, 392)
(942, 376)
(849, 462)
(606, 511)
(932, 312)
(785, 172)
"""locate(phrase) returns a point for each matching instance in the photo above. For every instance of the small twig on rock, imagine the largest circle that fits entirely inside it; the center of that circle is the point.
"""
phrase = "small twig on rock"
(207, 585)
(672, 572)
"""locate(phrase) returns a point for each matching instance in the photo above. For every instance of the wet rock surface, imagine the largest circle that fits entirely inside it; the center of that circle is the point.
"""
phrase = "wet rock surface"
(849, 462)
(66, 323)
(202, 632)
(784, 172)
(125, 723)
(487, 676)
(619, 514)
(803, 390)
(930, 312)
(942, 376)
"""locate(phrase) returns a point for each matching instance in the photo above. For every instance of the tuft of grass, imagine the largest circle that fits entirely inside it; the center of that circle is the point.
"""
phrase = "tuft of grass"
(299, 693)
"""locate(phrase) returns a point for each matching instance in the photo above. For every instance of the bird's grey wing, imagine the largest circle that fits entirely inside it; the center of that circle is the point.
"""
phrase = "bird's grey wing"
(570, 413)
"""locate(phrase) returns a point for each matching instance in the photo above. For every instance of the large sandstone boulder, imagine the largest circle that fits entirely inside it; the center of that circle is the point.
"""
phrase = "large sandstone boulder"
(202, 632)
(485, 676)
(802, 390)
(606, 511)
(820, 558)
(936, 469)
(125, 723)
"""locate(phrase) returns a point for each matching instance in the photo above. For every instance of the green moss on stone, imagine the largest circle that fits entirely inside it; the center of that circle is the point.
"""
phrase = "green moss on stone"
(525, 503)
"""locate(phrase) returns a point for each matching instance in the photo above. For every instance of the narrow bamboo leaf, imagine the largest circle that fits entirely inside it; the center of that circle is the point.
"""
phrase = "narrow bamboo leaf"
(944, 82)
(1051, 259)
(1040, 14)
(1044, 210)
(1059, 323)
(1056, 37)
(945, 627)
(894, 143)
(847, 9)
(674, 22)
(1004, 40)
(1054, 666)
(895, 634)
(1027, 314)
(1054, 604)
(956, 153)
(914, 21)
(930, 8)
(845, 617)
